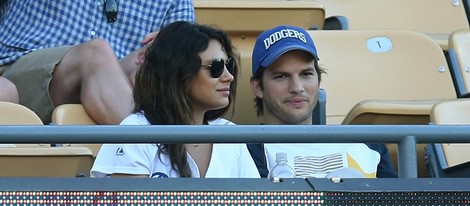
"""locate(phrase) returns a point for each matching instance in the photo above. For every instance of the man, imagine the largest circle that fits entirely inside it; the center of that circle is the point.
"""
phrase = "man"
(59, 52)
(286, 81)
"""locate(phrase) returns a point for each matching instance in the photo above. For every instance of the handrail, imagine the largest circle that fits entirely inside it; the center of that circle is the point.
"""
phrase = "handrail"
(406, 136)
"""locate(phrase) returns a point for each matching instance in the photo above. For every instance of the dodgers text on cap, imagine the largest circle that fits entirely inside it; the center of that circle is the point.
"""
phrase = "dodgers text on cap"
(282, 34)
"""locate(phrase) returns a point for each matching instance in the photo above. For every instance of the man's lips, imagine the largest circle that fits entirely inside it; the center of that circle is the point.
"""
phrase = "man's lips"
(297, 102)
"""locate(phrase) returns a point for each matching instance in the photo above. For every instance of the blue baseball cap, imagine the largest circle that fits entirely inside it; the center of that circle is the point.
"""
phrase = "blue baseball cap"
(273, 43)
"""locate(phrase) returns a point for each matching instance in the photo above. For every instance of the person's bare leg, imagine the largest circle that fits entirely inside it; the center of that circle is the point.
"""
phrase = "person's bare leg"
(131, 63)
(91, 75)
(8, 91)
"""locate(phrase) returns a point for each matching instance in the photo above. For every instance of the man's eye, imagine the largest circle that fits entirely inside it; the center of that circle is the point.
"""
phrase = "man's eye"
(309, 74)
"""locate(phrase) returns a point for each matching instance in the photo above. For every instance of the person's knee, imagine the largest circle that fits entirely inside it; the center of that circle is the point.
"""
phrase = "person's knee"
(92, 57)
(96, 49)
(8, 91)
(82, 64)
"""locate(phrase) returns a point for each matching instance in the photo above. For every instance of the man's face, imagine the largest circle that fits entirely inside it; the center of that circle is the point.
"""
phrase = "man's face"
(290, 89)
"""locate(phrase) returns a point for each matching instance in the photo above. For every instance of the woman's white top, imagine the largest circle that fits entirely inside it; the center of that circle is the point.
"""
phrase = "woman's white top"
(227, 160)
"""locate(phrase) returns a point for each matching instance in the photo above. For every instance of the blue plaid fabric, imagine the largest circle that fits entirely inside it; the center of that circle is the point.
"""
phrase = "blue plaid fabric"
(29, 25)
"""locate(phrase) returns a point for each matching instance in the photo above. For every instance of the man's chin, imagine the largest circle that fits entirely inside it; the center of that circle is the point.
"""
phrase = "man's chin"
(299, 119)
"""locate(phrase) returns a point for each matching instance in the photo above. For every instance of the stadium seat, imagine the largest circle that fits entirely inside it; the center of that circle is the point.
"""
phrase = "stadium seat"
(16, 114)
(382, 77)
(45, 161)
(392, 67)
(256, 16)
(390, 112)
(458, 56)
(455, 112)
(38, 160)
(244, 21)
(74, 114)
(437, 19)
(450, 160)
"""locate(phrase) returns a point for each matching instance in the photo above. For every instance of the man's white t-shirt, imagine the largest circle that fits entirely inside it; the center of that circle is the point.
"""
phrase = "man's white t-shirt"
(322, 160)
(227, 160)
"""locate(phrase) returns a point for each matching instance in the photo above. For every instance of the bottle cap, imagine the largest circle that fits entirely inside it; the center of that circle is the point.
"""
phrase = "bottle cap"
(281, 156)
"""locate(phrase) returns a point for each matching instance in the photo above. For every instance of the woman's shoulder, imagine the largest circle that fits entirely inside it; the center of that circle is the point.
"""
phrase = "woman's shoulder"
(135, 119)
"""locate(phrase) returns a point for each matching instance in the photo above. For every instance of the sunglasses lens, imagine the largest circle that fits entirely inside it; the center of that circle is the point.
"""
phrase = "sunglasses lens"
(230, 65)
(217, 68)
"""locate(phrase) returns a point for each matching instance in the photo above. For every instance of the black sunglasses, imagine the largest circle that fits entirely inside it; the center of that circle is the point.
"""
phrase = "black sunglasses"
(111, 10)
(218, 65)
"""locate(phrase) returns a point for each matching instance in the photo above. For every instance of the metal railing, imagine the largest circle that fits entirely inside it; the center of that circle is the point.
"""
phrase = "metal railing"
(405, 136)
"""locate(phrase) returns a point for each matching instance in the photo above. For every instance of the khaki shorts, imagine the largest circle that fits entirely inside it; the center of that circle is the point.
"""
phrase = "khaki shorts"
(32, 74)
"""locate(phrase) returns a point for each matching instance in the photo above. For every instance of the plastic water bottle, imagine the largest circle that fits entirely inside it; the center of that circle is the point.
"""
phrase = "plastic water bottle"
(281, 169)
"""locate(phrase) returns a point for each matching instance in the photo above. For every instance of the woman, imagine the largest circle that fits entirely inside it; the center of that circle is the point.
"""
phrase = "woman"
(187, 78)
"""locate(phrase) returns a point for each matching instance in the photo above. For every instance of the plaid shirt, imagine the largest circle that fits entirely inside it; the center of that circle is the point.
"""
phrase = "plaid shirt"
(29, 25)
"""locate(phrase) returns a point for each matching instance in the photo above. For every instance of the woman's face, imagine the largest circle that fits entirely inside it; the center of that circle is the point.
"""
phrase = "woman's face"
(206, 92)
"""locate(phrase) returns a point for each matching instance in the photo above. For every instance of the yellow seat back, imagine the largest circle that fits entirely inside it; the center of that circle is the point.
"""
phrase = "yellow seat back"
(16, 114)
(74, 114)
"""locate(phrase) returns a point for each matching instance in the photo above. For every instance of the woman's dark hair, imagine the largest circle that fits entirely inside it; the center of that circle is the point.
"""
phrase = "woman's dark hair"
(259, 76)
(162, 84)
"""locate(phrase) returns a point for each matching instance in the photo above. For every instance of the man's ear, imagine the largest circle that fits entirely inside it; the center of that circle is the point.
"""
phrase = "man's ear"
(256, 87)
